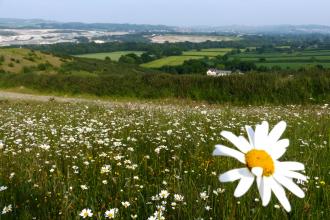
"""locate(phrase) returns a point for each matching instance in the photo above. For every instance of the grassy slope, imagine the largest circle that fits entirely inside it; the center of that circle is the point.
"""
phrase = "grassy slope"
(113, 55)
(16, 59)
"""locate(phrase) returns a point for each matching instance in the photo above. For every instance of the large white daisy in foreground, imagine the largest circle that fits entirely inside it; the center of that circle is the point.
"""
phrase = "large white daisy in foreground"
(261, 158)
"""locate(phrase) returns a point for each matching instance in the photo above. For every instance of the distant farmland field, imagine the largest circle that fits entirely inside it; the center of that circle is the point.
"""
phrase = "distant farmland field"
(113, 55)
(288, 60)
(172, 38)
(188, 55)
(169, 61)
(294, 65)
(208, 52)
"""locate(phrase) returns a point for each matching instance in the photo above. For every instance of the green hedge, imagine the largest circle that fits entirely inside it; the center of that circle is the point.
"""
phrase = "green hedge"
(253, 88)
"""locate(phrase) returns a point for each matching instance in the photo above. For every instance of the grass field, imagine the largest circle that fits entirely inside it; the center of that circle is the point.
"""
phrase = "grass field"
(113, 55)
(170, 61)
(207, 52)
(289, 60)
(188, 55)
(58, 159)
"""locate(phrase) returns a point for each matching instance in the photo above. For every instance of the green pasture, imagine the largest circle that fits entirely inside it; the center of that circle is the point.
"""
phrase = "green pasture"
(169, 61)
(187, 55)
(208, 52)
(113, 55)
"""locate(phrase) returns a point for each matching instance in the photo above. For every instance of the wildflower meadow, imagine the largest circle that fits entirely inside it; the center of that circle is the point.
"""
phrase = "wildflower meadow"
(150, 161)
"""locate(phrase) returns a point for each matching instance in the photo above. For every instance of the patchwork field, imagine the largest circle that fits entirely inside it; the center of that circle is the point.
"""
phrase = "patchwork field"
(292, 60)
(146, 160)
(188, 55)
(169, 61)
(112, 55)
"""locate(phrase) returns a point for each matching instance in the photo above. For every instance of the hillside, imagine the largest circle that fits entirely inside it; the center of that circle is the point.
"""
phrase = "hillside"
(17, 60)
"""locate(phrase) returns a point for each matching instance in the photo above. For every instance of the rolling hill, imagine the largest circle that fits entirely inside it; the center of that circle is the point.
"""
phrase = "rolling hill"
(16, 60)
(20, 60)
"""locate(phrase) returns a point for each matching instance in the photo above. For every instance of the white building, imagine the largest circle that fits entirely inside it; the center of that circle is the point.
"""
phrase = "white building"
(216, 72)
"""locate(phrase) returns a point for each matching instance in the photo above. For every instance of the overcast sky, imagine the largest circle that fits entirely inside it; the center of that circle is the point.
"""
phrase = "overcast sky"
(173, 12)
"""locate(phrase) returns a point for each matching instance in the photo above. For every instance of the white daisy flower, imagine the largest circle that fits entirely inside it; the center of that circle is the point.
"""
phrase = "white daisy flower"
(164, 194)
(126, 204)
(261, 156)
(86, 213)
(111, 213)
(7, 209)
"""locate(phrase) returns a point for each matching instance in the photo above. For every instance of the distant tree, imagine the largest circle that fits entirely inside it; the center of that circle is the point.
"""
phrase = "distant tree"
(127, 59)
(82, 39)
(146, 57)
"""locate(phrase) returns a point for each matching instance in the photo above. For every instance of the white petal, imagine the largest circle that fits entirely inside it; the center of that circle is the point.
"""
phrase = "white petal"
(276, 153)
(277, 131)
(294, 175)
(290, 185)
(244, 143)
(250, 133)
(266, 190)
(259, 182)
(244, 185)
(221, 150)
(233, 175)
(280, 194)
(261, 136)
(288, 165)
(283, 143)
(257, 171)
(239, 142)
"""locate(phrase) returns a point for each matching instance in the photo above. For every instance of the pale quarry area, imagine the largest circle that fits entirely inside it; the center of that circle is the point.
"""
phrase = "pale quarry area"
(49, 36)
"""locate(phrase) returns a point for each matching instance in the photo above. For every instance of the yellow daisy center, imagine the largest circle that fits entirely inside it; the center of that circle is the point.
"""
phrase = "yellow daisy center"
(260, 158)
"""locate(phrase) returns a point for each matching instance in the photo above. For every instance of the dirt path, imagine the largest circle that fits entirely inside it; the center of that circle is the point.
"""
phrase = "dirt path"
(4, 95)
(40, 98)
